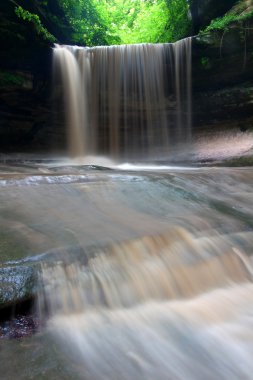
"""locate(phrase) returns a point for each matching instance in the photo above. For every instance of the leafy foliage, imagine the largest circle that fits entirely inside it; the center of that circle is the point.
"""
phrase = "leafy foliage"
(35, 20)
(178, 22)
(135, 21)
(8, 78)
(108, 22)
(86, 24)
(130, 21)
(206, 62)
(223, 23)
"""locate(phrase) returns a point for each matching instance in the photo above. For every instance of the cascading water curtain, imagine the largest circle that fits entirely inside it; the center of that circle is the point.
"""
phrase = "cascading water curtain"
(126, 101)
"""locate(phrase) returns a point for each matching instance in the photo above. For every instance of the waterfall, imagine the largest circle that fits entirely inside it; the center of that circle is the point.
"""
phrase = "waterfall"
(126, 101)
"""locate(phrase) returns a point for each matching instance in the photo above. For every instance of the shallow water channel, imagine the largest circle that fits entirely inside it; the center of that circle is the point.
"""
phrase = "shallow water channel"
(144, 273)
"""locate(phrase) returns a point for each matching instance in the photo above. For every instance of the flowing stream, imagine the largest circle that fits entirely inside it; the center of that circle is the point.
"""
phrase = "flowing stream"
(144, 273)
(145, 270)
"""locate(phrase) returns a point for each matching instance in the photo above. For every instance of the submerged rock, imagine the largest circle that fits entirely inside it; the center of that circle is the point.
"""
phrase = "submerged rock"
(17, 283)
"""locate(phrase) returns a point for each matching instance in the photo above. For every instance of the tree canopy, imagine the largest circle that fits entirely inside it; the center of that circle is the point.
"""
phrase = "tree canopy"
(107, 22)
(136, 21)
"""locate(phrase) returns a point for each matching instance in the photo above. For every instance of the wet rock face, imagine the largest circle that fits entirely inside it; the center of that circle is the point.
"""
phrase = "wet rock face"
(203, 11)
(26, 112)
(223, 80)
(226, 109)
(222, 59)
(27, 121)
(18, 283)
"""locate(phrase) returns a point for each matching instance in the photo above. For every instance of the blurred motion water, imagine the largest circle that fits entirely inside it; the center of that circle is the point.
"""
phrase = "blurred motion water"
(144, 273)
(125, 100)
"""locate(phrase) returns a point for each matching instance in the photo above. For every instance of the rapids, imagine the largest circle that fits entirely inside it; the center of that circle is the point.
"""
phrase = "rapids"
(145, 273)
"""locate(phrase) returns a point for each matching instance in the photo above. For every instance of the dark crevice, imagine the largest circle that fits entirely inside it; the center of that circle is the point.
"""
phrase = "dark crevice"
(19, 320)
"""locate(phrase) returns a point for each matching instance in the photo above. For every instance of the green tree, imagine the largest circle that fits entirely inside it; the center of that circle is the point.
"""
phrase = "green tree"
(178, 22)
(107, 22)
(135, 21)
(35, 20)
(88, 26)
